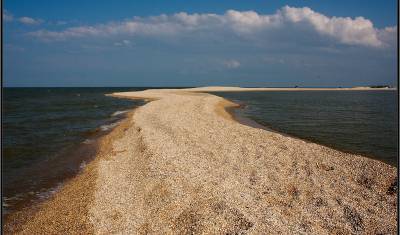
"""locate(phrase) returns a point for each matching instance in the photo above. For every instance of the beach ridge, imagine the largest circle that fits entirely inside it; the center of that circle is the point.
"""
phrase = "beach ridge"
(182, 164)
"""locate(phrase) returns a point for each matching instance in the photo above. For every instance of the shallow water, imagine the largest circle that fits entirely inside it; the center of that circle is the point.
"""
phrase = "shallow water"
(49, 135)
(363, 122)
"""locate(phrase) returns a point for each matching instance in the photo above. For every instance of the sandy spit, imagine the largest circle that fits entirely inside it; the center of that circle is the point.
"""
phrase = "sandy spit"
(181, 165)
(242, 89)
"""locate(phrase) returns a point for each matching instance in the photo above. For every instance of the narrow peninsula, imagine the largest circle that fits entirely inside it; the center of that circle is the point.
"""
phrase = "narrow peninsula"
(180, 164)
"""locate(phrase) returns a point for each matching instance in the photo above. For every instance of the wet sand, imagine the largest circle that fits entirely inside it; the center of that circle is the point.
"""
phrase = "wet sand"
(181, 164)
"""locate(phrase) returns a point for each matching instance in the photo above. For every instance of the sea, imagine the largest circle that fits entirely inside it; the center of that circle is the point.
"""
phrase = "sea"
(361, 122)
(49, 134)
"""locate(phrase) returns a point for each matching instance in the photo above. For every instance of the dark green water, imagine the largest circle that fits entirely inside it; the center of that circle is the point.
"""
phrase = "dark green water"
(48, 136)
(363, 122)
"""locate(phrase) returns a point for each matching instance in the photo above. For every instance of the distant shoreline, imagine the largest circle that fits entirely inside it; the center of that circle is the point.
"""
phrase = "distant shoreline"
(219, 87)
(246, 89)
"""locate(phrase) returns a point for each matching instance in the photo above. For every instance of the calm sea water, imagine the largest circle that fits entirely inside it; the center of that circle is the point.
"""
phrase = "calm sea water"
(363, 122)
(48, 136)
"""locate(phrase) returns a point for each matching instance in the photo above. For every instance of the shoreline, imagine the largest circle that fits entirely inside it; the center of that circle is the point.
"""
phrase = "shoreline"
(81, 183)
(253, 123)
(18, 219)
(78, 155)
(160, 181)
(42, 153)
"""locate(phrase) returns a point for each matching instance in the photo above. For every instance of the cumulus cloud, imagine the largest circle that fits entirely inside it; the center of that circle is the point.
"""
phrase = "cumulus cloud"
(7, 16)
(247, 24)
(29, 21)
(345, 29)
(388, 35)
(231, 64)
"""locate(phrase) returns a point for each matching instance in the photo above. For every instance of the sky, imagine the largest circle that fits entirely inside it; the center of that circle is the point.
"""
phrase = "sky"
(159, 43)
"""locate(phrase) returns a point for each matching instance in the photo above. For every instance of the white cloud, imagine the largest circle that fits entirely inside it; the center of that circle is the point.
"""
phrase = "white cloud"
(358, 31)
(29, 21)
(7, 16)
(388, 35)
(231, 64)
(247, 24)
(123, 43)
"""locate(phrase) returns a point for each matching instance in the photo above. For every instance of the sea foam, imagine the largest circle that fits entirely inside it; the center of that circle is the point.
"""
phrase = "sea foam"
(117, 113)
(108, 126)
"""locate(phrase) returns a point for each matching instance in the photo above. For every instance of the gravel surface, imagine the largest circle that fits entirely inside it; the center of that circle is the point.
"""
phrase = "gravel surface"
(181, 165)
(184, 166)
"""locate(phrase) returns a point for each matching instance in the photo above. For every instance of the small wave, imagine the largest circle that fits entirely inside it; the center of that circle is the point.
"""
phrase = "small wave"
(5, 208)
(109, 126)
(46, 194)
(117, 113)
(88, 141)
(16, 197)
(6, 201)
(82, 165)
(43, 194)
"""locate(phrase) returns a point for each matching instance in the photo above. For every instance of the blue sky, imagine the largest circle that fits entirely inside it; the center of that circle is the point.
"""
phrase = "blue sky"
(199, 43)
